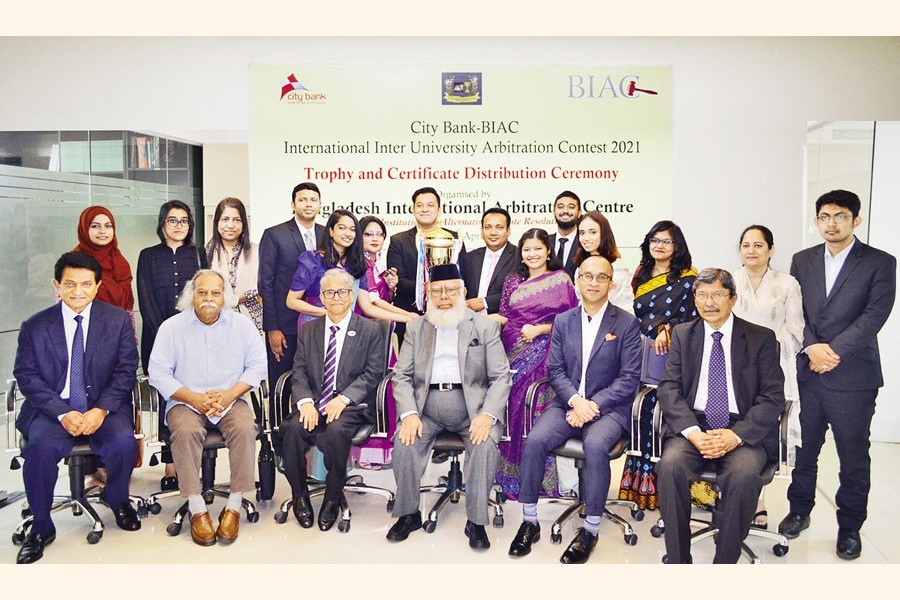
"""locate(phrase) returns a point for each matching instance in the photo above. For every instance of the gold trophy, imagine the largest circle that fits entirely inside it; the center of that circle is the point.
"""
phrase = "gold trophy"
(440, 248)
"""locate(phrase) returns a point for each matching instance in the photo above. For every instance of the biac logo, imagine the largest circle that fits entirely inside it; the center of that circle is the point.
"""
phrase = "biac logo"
(461, 88)
(295, 92)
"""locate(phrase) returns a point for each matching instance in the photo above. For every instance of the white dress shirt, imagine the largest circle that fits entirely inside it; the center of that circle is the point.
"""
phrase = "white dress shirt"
(589, 330)
(568, 249)
(445, 368)
(491, 258)
(308, 235)
(70, 325)
(341, 334)
(703, 384)
(834, 264)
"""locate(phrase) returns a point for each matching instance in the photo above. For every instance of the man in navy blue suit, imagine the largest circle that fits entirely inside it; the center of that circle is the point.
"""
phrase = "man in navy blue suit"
(594, 368)
(75, 366)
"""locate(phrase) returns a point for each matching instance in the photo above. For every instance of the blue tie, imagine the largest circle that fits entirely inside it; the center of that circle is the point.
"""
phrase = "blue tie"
(77, 391)
(717, 402)
(330, 360)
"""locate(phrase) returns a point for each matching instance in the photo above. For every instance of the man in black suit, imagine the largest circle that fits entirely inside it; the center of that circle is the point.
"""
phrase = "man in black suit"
(721, 396)
(278, 251)
(564, 243)
(339, 363)
(487, 267)
(75, 365)
(848, 292)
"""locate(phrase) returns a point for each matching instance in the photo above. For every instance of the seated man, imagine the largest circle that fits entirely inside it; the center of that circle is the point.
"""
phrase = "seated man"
(721, 396)
(595, 369)
(338, 366)
(204, 360)
(67, 397)
(452, 374)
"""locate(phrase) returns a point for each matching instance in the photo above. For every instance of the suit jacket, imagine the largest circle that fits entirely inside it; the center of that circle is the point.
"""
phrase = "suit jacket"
(403, 254)
(360, 368)
(614, 365)
(757, 380)
(850, 317)
(570, 264)
(278, 251)
(42, 361)
(483, 367)
(471, 274)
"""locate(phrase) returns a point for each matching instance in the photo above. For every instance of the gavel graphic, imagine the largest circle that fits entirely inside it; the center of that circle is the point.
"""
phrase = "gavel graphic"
(632, 88)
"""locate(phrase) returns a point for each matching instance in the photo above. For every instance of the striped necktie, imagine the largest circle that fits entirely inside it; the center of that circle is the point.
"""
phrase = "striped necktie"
(330, 362)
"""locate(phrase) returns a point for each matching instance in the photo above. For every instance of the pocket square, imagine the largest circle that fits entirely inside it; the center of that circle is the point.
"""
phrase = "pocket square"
(610, 337)
(474, 342)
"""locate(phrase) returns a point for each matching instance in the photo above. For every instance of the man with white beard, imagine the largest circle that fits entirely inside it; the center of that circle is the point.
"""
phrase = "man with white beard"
(452, 375)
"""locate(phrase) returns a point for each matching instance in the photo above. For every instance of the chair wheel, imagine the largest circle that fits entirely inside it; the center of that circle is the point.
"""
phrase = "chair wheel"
(390, 505)
(281, 517)
(18, 538)
(429, 526)
(501, 497)
(344, 526)
(631, 539)
(259, 496)
(173, 529)
(454, 499)
(208, 497)
(638, 515)
(26, 512)
(498, 521)
(94, 537)
(657, 531)
(253, 517)
(76, 510)
(556, 538)
(143, 510)
(155, 508)
(665, 559)
(780, 549)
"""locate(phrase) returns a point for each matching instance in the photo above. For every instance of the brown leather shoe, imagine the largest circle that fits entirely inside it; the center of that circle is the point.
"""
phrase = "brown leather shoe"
(202, 530)
(229, 520)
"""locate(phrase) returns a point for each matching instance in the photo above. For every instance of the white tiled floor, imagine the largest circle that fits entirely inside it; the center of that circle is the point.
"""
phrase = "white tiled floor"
(268, 542)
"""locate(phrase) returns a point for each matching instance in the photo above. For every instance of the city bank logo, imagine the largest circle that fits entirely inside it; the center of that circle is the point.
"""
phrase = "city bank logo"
(461, 88)
(294, 92)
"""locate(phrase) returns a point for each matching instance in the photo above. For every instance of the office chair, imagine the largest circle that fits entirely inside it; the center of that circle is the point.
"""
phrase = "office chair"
(79, 498)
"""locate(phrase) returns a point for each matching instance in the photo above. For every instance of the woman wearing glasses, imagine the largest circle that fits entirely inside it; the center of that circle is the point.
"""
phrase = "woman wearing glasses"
(532, 296)
(162, 272)
(663, 297)
(772, 299)
(596, 238)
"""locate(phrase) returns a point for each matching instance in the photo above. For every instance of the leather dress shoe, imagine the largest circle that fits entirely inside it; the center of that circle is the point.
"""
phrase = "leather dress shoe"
(528, 534)
(579, 551)
(33, 548)
(126, 517)
(229, 521)
(478, 538)
(849, 546)
(328, 514)
(791, 526)
(168, 484)
(202, 530)
(404, 526)
(303, 511)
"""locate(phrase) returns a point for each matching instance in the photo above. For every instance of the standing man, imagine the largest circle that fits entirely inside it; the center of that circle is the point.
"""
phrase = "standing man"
(848, 291)
(452, 374)
(75, 365)
(721, 396)
(339, 363)
(564, 243)
(595, 370)
(278, 251)
(486, 268)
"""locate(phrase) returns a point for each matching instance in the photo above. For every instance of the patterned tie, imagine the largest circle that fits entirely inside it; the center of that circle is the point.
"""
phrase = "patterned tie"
(309, 241)
(330, 360)
(77, 391)
(717, 402)
(561, 255)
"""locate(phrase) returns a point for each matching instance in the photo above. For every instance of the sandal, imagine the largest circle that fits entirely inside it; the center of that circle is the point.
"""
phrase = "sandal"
(765, 523)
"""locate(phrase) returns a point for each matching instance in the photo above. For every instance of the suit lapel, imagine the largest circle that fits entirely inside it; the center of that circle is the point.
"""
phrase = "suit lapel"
(348, 347)
(316, 355)
(465, 330)
(606, 325)
(428, 336)
(739, 361)
(58, 338)
(817, 268)
(694, 357)
(850, 263)
(96, 331)
(296, 237)
(506, 256)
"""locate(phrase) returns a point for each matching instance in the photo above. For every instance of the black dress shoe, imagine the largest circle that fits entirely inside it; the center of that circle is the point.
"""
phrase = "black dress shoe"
(404, 526)
(478, 538)
(528, 534)
(579, 551)
(168, 484)
(303, 511)
(126, 517)
(328, 514)
(849, 545)
(791, 526)
(33, 548)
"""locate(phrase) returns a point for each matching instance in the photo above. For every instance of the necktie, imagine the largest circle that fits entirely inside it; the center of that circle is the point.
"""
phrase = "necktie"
(717, 402)
(562, 250)
(309, 241)
(77, 391)
(330, 360)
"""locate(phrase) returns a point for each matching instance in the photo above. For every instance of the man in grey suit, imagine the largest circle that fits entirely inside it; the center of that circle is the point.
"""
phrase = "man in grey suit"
(721, 395)
(848, 293)
(485, 269)
(339, 362)
(452, 374)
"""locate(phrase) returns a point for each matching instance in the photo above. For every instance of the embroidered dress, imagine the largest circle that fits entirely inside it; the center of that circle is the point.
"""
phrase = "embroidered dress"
(240, 270)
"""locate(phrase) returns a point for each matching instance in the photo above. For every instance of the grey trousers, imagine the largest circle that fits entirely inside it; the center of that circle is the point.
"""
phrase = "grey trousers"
(188, 430)
(445, 411)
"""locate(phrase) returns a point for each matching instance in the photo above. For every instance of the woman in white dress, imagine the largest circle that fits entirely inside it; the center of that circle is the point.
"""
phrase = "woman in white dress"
(596, 238)
(772, 299)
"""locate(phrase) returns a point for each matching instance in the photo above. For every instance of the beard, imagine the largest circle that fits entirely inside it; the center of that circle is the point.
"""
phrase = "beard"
(566, 224)
(446, 318)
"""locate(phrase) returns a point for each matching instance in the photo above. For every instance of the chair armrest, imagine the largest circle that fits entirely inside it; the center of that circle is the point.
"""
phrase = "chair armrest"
(260, 404)
(656, 439)
(12, 412)
(635, 431)
(136, 409)
(783, 427)
(276, 414)
(530, 396)
(381, 424)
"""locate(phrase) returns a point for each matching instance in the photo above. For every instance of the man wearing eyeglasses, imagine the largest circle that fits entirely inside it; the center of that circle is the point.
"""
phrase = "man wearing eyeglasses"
(339, 363)
(721, 395)
(594, 368)
(848, 292)
(452, 374)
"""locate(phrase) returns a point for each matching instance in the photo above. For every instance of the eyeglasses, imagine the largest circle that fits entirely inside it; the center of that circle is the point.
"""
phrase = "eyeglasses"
(838, 218)
(654, 241)
(450, 291)
(717, 296)
(330, 294)
(373, 234)
(178, 222)
(598, 277)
